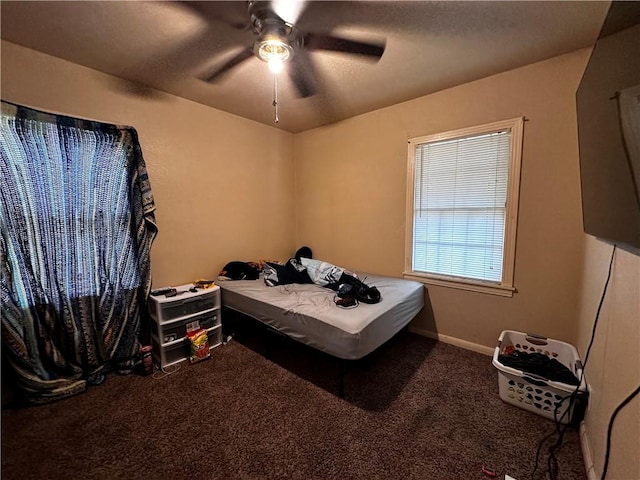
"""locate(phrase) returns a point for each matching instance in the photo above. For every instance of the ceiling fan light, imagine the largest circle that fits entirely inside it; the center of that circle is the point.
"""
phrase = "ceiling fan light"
(275, 65)
(273, 48)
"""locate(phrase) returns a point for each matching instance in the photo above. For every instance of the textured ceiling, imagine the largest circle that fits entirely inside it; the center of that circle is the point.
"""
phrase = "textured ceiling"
(430, 46)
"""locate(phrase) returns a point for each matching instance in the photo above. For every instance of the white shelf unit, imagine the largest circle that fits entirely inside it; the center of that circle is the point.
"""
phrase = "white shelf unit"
(173, 316)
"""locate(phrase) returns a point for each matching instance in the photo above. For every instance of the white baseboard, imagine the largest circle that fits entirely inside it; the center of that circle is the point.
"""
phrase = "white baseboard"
(475, 347)
(586, 453)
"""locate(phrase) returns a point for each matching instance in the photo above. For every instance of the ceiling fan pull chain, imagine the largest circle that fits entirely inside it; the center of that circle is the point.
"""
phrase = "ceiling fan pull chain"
(275, 96)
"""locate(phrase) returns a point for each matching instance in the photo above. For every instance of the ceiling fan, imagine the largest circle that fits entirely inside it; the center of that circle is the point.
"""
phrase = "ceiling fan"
(278, 42)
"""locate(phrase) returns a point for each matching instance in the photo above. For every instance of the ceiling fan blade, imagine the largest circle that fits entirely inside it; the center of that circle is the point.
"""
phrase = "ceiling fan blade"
(221, 71)
(302, 73)
(314, 41)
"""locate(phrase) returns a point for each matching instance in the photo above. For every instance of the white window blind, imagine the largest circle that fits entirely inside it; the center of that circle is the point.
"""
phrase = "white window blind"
(460, 202)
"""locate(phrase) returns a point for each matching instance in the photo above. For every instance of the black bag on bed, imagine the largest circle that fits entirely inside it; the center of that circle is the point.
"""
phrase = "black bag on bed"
(366, 294)
(358, 290)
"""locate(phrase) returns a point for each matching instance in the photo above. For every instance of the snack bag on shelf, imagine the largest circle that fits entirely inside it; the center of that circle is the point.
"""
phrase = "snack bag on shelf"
(199, 345)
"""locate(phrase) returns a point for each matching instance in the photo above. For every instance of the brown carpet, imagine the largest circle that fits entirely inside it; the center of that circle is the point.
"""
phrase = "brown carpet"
(417, 410)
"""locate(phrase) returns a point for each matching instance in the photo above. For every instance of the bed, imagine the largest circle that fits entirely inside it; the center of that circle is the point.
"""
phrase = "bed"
(307, 313)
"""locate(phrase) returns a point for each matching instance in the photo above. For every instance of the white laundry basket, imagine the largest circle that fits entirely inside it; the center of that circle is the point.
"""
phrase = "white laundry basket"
(550, 399)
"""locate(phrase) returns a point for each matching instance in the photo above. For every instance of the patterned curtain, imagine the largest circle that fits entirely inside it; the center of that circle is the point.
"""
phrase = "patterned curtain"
(77, 223)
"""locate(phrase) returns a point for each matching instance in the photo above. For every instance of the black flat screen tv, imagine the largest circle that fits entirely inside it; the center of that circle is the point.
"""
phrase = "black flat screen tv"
(608, 111)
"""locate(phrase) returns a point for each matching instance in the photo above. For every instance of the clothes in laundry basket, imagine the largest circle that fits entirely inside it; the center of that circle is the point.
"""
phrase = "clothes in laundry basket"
(539, 364)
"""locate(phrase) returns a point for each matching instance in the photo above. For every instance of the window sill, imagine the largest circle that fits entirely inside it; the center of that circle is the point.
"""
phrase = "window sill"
(469, 285)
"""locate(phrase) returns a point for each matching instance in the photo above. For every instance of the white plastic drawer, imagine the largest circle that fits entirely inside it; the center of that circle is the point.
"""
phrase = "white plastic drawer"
(173, 330)
(179, 350)
(184, 303)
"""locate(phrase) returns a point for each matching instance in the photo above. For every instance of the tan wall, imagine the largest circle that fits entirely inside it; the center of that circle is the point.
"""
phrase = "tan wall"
(351, 188)
(613, 366)
(223, 185)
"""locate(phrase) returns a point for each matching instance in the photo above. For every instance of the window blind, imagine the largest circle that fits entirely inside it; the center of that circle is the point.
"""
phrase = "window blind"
(460, 195)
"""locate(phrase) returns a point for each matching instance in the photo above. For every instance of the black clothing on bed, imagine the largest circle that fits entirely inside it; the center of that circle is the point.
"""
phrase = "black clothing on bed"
(328, 275)
(237, 270)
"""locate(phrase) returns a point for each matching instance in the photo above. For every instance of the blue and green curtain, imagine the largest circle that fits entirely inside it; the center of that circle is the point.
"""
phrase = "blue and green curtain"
(77, 223)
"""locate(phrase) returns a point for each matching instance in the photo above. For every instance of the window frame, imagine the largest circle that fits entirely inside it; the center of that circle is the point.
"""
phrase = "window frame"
(505, 287)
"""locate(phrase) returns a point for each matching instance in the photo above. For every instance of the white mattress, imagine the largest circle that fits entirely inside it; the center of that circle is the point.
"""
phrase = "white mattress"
(308, 314)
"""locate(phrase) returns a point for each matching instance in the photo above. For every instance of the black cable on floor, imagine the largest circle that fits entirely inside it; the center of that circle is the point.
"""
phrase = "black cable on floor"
(540, 444)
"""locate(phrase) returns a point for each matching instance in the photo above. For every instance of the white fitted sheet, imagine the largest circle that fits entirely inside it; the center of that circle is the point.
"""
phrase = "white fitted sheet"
(308, 314)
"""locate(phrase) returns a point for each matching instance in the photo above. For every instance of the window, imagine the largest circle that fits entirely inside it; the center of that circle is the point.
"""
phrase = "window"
(462, 205)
